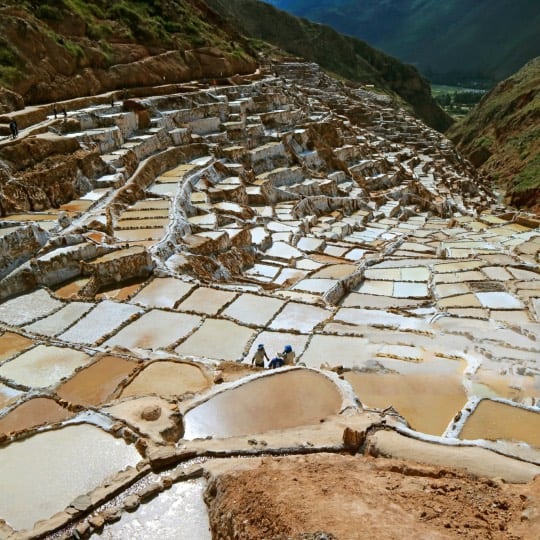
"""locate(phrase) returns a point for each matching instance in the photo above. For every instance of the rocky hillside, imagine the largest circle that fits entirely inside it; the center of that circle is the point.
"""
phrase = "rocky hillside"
(502, 135)
(342, 55)
(57, 50)
(60, 49)
(447, 41)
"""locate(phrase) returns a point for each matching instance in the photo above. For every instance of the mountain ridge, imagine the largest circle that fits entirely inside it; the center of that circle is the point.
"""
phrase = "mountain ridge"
(345, 56)
(448, 42)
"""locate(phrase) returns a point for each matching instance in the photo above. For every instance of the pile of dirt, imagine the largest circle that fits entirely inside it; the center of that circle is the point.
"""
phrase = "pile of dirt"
(344, 497)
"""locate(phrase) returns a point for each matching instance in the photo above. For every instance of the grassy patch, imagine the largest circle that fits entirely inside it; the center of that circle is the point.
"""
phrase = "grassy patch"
(529, 177)
(10, 66)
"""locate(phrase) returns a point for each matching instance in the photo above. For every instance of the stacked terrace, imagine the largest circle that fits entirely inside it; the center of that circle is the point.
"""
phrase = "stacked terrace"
(284, 209)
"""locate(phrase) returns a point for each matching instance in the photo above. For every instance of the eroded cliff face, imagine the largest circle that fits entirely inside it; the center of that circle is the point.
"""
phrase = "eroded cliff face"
(45, 172)
(51, 60)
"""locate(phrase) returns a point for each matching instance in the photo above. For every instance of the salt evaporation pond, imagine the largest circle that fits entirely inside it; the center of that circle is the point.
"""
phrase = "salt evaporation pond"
(167, 379)
(177, 514)
(162, 292)
(277, 401)
(428, 402)
(253, 309)
(11, 344)
(218, 339)
(33, 413)
(493, 420)
(156, 329)
(94, 384)
(206, 300)
(43, 474)
(59, 321)
(8, 395)
(43, 365)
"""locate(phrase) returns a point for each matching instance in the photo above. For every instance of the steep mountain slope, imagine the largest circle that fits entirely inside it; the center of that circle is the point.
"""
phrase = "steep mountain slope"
(447, 41)
(58, 49)
(502, 135)
(342, 55)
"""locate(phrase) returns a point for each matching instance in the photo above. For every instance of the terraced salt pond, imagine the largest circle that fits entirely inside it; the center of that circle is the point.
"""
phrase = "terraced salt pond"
(493, 420)
(427, 401)
(79, 459)
(178, 514)
(33, 413)
(432, 304)
(167, 379)
(218, 339)
(156, 329)
(277, 401)
(43, 365)
(94, 384)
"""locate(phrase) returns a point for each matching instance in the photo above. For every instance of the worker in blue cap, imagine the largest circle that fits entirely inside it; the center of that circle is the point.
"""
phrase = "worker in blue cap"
(259, 356)
(283, 358)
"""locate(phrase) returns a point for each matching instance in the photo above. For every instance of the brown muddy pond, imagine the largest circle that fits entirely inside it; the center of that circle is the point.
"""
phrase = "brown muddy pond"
(279, 401)
(492, 420)
(32, 413)
(428, 402)
(167, 379)
(71, 289)
(11, 344)
(94, 384)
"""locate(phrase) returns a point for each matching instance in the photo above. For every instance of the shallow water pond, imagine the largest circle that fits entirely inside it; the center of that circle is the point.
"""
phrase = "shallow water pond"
(428, 402)
(493, 420)
(167, 379)
(11, 344)
(94, 384)
(32, 413)
(43, 365)
(176, 514)
(78, 459)
(277, 401)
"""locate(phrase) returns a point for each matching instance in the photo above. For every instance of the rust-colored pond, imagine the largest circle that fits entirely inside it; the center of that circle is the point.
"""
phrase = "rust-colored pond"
(33, 413)
(277, 401)
(94, 384)
(167, 379)
(427, 401)
(493, 420)
(11, 344)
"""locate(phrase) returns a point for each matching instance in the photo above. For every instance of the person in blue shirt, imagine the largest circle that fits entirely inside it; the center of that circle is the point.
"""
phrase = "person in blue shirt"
(283, 358)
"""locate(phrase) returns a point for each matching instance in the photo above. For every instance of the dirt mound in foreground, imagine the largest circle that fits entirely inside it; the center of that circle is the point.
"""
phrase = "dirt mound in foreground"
(344, 497)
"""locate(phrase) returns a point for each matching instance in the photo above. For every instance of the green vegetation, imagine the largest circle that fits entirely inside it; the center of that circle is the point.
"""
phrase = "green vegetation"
(507, 123)
(10, 65)
(529, 177)
(456, 100)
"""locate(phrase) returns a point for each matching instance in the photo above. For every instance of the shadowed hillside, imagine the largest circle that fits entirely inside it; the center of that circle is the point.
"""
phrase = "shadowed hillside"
(502, 135)
(448, 41)
(345, 56)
